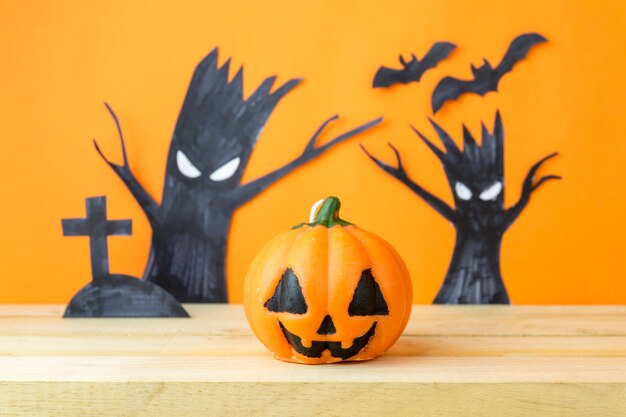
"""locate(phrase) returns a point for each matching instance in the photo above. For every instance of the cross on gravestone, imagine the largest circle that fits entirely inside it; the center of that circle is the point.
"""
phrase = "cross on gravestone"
(97, 227)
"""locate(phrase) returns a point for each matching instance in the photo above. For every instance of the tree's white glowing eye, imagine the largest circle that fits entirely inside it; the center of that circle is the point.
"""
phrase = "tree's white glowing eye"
(226, 171)
(185, 166)
(462, 191)
(491, 193)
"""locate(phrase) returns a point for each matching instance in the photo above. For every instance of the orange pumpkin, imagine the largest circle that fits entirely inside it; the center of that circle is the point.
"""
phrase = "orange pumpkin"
(327, 291)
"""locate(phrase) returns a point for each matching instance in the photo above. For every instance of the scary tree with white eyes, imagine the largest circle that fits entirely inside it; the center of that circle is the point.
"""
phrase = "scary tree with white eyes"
(209, 151)
(476, 177)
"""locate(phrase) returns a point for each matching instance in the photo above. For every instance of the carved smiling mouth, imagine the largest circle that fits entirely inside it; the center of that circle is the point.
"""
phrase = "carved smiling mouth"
(317, 347)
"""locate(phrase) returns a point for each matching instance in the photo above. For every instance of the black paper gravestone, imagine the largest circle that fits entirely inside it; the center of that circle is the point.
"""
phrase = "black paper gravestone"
(113, 295)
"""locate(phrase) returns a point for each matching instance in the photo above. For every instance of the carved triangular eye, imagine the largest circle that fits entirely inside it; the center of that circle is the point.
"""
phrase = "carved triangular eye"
(367, 299)
(288, 297)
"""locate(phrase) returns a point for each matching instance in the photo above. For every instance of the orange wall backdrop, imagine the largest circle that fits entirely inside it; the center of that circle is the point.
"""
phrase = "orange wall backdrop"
(61, 59)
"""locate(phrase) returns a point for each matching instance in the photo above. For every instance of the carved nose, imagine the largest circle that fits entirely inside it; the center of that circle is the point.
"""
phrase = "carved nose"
(327, 327)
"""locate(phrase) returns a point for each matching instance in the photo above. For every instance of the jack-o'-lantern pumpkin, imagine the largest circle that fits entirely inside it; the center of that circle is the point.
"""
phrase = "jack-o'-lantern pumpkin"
(327, 291)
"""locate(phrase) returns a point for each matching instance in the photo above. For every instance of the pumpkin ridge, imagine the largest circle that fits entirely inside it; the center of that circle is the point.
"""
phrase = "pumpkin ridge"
(256, 265)
(294, 240)
(408, 288)
(302, 235)
(366, 254)
(328, 270)
(408, 284)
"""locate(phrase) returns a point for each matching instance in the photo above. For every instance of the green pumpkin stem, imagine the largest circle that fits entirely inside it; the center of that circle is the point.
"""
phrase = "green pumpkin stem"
(328, 215)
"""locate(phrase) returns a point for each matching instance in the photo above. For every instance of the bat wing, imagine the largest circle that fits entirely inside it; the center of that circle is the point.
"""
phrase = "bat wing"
(450, 88)
(517, 51)
(414, 70)
(438, 52)
(387, 76)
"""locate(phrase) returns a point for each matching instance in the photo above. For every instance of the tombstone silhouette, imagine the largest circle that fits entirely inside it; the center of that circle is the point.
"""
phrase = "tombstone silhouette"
(113, 295)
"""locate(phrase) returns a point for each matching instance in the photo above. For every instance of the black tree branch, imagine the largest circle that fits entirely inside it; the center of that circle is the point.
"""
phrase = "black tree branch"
(399, 173)
(544, 179)
(147, 203)
(528, 187)
(248, 191)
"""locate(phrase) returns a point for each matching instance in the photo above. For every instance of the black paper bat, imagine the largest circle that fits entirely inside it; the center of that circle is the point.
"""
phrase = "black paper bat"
(213, 140)
(486, 78)
(113, 295)
(476, 177)
(414, 69)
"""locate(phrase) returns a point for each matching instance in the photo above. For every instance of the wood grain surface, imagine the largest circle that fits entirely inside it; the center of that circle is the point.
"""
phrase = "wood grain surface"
(451, 360)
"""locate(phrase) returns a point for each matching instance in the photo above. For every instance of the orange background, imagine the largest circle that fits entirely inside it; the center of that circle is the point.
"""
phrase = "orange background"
(61, 59)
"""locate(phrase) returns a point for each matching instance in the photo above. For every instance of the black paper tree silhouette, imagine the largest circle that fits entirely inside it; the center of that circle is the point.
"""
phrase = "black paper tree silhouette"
(113, 295)
(476, 177)
(213, 139)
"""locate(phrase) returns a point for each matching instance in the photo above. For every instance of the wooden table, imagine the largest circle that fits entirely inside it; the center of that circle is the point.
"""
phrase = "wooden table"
(471, 360)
